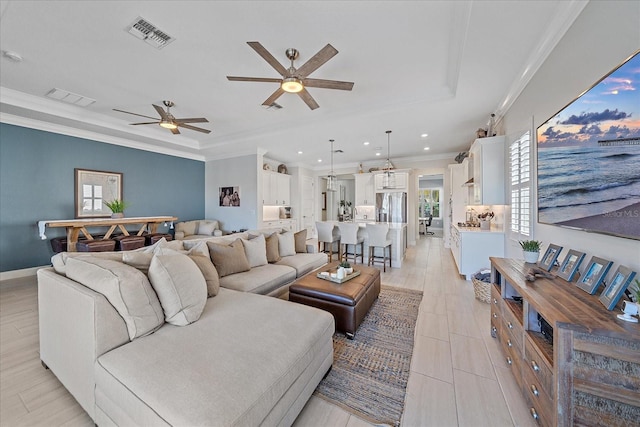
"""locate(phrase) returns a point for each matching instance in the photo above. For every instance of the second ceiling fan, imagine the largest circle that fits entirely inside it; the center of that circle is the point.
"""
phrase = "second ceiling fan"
(295, 80)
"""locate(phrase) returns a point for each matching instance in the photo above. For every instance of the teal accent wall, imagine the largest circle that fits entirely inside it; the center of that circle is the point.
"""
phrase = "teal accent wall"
(37, 183)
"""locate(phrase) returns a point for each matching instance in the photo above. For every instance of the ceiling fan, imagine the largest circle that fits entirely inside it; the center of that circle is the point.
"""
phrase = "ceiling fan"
(295, 80)
(168, 121)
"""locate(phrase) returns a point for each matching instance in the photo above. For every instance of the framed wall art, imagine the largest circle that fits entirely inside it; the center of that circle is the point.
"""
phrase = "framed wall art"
(549, 257)
(92, 189)
(596, 271)
(570, 265)
(614, 290)
(229, 196)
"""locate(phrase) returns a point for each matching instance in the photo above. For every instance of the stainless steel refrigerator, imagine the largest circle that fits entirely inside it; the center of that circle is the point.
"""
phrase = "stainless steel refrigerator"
(391, 207)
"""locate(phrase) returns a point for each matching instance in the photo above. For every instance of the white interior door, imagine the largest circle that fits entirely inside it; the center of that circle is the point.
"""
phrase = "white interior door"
(308, 205)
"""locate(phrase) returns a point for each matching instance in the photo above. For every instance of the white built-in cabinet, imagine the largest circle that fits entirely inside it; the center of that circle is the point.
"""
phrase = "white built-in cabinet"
(276, 189)
(365, 189)
(487, 165)
(281, 224)
(398, 181)
(472, 248)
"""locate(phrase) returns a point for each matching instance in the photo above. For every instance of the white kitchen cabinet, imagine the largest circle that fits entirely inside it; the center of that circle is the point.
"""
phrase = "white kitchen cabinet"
(280, 224)
(276, 189)
(398, 181)
(487, 157)
(472, 247)
(365, 189)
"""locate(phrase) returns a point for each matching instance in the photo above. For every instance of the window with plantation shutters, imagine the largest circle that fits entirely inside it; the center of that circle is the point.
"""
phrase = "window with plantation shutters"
(520, 174)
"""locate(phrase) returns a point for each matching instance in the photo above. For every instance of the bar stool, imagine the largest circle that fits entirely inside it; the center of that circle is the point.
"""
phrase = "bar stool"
(349, 236)
(378, 239)
(328, 233)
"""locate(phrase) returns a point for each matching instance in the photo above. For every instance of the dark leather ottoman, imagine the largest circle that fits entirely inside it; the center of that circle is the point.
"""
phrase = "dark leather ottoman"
(99, 245)
(129, 243)
(349, 302)
(150, 239)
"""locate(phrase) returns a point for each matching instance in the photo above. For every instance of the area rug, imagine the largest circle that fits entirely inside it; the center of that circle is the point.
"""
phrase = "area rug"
(369, 374)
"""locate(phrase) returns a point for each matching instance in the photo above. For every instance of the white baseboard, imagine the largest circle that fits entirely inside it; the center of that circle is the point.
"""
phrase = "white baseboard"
(17, 274)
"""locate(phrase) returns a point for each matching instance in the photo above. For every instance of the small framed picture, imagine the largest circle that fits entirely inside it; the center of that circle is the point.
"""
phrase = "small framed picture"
(549, 257)
(597, 270)
(614, 290)
(570, 265)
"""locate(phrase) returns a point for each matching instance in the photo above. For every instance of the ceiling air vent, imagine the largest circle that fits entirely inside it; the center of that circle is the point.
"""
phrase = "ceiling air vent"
(70, 97)
(147, 32)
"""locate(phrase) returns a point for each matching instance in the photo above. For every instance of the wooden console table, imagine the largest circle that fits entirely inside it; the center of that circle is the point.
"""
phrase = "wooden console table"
(76, 226)
(589, 374)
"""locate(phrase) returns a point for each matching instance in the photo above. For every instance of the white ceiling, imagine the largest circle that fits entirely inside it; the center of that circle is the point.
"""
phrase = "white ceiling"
(436, 67)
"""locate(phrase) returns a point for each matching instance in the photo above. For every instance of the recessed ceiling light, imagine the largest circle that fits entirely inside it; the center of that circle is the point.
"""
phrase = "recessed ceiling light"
(424, 135)
(299, 152)
(377, 154)
(366, 143)
(419, 176)
(319, 160)
(426, 148)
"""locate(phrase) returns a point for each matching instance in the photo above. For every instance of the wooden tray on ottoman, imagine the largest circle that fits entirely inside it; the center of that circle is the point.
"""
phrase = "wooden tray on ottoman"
(322, 276)
(349, 301)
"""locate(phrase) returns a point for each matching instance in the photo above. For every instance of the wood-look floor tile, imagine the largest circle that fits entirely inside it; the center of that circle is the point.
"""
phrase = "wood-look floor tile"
(429, 402)
(470, 355)
(479, 401)
(463, 323)
(433, 325)
(318, 412)
(513, 397)
(432, 357)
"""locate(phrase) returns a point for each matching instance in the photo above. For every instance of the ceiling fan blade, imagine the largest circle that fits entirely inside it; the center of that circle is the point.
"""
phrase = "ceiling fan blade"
(253, 79)
(268, 57)
(182, 125)
(325, 54)
(308, 99)
(135, 114)
(328, 84)
(145, 123)
(161, 111)
(275, 95)
(192, 120)
(175, 131)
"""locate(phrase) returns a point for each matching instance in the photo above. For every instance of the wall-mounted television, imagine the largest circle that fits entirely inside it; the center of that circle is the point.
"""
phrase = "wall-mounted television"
(589, 158)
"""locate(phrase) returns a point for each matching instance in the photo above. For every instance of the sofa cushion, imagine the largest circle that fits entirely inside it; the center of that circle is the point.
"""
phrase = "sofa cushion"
(139, 260)
(304, 263)
(273, 255)
(59, 260)
(207, 227)
(187, 227)
(286, 244)
(300, 239)
(180, 286)
(256, 251)
(127, 289)
(260, 280)
(228, 259)
(240, 363)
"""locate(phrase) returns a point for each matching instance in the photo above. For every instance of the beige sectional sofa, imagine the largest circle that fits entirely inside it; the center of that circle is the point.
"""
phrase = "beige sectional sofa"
(197, 229)
(232, 359)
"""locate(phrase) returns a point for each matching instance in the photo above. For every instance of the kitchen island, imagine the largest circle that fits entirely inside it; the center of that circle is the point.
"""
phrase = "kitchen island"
(397, 235)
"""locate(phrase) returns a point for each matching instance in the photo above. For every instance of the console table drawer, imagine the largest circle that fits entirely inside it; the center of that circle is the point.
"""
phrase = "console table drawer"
(495, 298)
(512, 356)
(513, 328)
(537, 397)
(536, 364)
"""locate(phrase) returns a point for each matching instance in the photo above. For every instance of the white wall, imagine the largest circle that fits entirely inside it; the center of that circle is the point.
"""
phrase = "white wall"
(238, 171)
(604, 35)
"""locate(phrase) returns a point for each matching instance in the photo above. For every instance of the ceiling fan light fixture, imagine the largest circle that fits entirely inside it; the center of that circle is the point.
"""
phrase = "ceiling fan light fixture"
(168, 125)
(331, 178)
(291, 85)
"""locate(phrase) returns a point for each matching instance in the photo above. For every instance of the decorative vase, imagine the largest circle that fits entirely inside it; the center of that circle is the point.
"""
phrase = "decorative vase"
(531, 257)
(485, 225)
(340, 273)
(117, 215)
(348, 270)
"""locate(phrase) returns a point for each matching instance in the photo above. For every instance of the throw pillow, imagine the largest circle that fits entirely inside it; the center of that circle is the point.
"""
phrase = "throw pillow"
(229, 259)
(196, 247)
(139, 260)
(271, 243)
(300, 239)
(127, 289)
(207, 228)
(256, 251)
(180, 286)
(187, 227)
(286, 244)
(209, 273)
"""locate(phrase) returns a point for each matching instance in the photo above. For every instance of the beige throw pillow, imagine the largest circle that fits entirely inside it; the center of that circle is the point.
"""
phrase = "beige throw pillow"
(207, 228)
(229, 259)
(271, 242)
(180, 286)
(300, 239)
(127, 289)
(187, 227)
(209, 273)
(256, 251)
(286, 244)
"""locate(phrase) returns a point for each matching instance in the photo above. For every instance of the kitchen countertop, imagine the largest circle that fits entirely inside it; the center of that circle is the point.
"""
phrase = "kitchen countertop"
(493, 229)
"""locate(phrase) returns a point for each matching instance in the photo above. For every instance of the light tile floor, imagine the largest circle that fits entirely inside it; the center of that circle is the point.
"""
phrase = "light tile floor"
(458, 375)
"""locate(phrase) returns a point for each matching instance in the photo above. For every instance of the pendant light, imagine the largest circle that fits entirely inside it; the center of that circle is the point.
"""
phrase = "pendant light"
(331, 178)
(388, 178)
